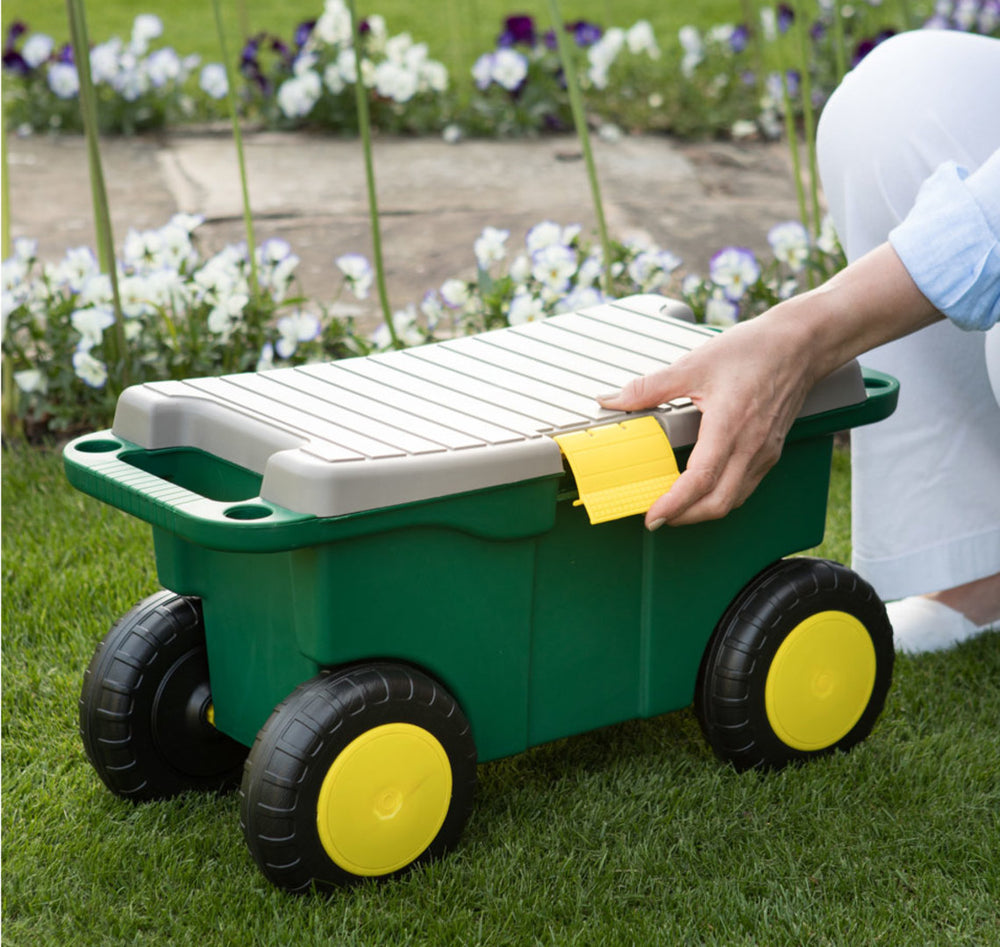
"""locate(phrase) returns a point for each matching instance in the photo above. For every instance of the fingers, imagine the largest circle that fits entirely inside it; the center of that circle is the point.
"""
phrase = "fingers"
(646, 391)
(719, 477)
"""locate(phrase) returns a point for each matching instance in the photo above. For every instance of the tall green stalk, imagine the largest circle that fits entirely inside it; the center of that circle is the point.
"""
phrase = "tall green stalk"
(580, 122)
(808, 117)
(5, 195)
(839, 42)
(118, 366)
(365, 130)
(238, 141)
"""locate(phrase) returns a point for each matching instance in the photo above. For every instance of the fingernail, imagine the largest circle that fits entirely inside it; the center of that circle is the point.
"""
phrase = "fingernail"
(607, 396)
(655, 525)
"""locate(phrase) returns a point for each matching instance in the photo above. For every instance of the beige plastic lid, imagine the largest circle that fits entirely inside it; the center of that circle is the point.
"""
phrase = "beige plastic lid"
(448, 417)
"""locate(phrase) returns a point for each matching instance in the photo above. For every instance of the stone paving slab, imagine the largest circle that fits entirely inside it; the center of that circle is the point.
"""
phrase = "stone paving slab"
(435, 198)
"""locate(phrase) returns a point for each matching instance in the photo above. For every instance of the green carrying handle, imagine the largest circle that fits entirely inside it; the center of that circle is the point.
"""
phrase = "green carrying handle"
(107, 467)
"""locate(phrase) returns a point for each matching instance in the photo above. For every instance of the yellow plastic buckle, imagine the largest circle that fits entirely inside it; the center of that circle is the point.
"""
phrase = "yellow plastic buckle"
(620, 469)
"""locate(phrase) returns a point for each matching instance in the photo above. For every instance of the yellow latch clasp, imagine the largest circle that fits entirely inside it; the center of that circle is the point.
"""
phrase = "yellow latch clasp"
(621, 468)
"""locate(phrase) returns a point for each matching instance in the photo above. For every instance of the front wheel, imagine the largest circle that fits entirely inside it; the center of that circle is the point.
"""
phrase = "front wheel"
(359, 774)
(799, 666)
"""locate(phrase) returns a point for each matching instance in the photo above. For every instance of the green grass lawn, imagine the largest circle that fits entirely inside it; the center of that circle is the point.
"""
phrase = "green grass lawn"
(456, 31)
(630, 835)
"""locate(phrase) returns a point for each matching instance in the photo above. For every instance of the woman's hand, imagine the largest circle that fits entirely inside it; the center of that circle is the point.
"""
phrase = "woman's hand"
(749, 393)
(750, 381)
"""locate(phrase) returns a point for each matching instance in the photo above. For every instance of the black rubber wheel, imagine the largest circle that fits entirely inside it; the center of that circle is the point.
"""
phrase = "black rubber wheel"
(146, 704)
(799, 666)
(361, 773)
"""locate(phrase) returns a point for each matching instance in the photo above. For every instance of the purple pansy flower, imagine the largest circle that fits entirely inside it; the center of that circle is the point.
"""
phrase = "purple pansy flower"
(302, 32)
(585, 34)
(786, 17)
(739, 38)
(518, 29)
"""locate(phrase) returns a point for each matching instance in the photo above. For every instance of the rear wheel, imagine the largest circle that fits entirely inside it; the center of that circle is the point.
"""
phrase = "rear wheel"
(358, 774)
(146, 705)
(799, 666)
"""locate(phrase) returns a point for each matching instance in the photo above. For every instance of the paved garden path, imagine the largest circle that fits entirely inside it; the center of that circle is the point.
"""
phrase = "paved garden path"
(435, 198)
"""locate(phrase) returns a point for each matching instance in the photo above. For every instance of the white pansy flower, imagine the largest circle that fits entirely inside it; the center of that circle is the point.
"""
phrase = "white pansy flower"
(163, 66)
(510, 69)
(358, 273)
(432, 309)
(396, 82)
(25, 249)
(333, 80)
(520, 269)
(489, 246)
(295, 328)
(78, 266)
(482, 71)
(640, 39)
(546, 234)
(827, 240)
(31, 380)
(91, 323)
(89, 370)
(134, 295)
(790, 243)
(580, 297)
(720, 311)
(188, 221)
(455, 293)
(525, 307)
(96, 291)
(145, 27)
(734, 269)
(63, 80)
(266, 361)
(226, 313)
(104, 61)
(214, 81)
(334, 25)
(408, 332)
(36, 49)
(304, 62)
(554, 266)
(590, 271)
(297, 96)
(434, 76)
(694, 49)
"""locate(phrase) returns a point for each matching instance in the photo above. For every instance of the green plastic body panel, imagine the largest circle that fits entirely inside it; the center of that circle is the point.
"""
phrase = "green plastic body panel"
(540, 624)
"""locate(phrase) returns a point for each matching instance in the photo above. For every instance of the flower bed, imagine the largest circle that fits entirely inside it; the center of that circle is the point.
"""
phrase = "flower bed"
(186, 315)
(721, 81)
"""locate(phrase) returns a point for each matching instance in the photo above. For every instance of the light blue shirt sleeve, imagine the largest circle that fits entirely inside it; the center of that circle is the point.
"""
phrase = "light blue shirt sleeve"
(950, 242)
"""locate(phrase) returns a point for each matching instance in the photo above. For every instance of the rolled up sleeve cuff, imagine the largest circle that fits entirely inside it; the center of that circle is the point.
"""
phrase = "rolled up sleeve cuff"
(950, 243)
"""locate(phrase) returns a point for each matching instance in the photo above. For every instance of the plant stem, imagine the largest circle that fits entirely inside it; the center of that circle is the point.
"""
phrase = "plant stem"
(839, 43)
(240, 158)
(118, 363)
(365, 130)
(808, 118)
(580, 121)
(5, 197)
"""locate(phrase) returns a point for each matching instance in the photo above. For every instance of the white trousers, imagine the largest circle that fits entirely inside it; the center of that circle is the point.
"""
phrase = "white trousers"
(926, 482)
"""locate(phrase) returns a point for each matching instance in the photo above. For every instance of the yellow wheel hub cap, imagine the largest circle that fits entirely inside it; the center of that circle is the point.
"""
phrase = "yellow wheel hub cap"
(820, 681)
(384, 799)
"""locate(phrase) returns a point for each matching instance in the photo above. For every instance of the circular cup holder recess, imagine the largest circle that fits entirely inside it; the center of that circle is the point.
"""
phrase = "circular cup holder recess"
(98, 446)
(247, 511)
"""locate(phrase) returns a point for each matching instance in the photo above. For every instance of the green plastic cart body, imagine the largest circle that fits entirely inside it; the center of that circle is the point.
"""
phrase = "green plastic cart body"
(539, 623)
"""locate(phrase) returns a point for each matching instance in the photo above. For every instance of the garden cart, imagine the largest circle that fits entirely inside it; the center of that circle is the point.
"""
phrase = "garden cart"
(380, 571)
